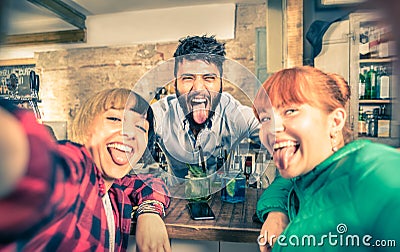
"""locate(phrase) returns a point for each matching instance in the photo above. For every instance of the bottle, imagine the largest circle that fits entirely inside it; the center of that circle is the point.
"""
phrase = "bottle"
(361, 122)
(220, 160)
(373, 123)
(361, 84)
(383, 123)
(248, 168)
(384, 84)
(237, 163)
(374, 41)
(364, 44)
(367, 91)
(371, 79)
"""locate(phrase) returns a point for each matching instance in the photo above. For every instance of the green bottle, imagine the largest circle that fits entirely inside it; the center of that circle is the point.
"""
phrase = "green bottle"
(370, 83)
(373, 77)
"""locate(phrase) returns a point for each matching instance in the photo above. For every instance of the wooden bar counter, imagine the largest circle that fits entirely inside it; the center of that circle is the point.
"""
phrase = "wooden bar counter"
(232, 223)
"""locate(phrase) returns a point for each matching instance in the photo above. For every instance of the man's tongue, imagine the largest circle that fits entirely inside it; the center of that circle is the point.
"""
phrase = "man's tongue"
(119, 157)
(283, 155)
(200, 113)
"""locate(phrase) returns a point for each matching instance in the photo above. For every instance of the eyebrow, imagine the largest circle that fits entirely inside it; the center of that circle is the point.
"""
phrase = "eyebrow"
(205, 74)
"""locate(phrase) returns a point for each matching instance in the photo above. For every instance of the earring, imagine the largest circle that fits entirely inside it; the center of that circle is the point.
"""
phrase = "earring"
(333, 141)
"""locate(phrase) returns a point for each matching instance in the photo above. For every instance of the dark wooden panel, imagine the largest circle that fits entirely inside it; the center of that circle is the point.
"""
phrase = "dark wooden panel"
(70, 36)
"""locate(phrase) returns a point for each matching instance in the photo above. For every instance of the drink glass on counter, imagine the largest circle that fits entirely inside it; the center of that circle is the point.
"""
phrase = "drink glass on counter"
(197, 185)
(233, 187)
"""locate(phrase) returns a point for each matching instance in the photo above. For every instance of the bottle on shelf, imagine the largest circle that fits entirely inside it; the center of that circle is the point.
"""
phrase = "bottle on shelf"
(364, 43)
(362, 128)
(383, 123)
(383, 84)
(374, 38)
(370, 83)
(361, 84)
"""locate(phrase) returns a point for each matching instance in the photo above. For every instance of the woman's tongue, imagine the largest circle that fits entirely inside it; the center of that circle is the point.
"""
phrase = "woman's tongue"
(119, 157)
(282, 156)
(200, 113)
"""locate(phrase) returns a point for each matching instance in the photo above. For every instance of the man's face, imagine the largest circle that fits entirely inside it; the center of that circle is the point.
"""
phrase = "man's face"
(198, 88)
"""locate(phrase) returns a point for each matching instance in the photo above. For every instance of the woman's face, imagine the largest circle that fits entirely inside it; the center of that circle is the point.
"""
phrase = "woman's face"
(117, 139)
(299, 135)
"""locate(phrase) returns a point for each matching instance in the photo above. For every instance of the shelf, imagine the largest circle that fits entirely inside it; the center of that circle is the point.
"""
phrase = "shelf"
(376, 60)
(19, 99)
(374, 101)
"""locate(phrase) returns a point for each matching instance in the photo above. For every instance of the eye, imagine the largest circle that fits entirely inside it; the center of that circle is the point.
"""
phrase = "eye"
(187, 78)
(142, 128)
(265, 119)
(210, 78)
(114, 119)
(290, 111)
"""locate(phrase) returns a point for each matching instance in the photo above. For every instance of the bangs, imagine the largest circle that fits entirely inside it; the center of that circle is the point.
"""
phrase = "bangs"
(137, 103)
(115, 99)
(289, 87)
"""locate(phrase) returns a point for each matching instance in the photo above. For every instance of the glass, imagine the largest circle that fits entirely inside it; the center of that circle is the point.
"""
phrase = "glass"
(233, 187)
(197, 188)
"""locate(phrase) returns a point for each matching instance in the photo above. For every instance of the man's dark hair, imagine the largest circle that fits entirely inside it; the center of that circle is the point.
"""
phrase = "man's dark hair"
(203, 48)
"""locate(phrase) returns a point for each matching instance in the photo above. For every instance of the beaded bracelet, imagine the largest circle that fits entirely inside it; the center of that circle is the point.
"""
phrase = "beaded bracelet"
(150, 206)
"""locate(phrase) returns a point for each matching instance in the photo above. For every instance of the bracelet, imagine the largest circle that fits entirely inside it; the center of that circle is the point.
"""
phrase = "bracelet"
(150, 206)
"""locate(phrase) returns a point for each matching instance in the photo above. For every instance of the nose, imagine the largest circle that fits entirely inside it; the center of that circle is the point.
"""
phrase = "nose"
(198, 83)
(128, 131)
(278, 123)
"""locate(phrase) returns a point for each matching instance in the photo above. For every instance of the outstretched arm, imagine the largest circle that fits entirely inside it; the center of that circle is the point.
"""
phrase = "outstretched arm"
(273, 211)
(14, 151)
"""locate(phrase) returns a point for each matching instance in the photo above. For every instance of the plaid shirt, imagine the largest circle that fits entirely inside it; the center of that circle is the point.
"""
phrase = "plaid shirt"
(57, 205)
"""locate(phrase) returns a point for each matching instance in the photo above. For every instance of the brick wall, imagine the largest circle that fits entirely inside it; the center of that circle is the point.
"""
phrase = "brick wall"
(69, 76)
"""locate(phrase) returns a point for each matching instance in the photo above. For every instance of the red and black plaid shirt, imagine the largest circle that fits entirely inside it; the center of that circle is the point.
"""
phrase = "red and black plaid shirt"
(57, 205)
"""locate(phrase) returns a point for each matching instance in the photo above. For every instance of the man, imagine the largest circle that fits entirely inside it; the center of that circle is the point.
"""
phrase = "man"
(200, 120)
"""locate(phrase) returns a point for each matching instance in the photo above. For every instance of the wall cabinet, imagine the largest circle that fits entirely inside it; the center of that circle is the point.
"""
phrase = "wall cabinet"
(373, 79)
(362, 50)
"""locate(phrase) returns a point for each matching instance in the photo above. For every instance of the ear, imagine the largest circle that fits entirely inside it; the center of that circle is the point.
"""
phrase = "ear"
(337, 120)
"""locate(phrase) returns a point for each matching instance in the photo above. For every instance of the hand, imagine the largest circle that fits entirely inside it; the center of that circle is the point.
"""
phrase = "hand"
(151, 234)
(273, 226)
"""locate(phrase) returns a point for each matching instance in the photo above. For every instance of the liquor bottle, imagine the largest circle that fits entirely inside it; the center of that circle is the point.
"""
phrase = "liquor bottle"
(374, 41)
(367, 92)
(361, 84)
(220, 160)
(237, 163)
(383, 123)
(384, 84)
(364, 43)
(370, 83)
(248, 168)
(361, 122)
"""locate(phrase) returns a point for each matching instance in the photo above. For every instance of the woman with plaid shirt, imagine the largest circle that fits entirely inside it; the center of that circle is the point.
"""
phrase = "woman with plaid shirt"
(77, 196)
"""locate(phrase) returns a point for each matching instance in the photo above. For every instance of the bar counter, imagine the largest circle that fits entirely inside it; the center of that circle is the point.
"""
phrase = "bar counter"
(232, 223)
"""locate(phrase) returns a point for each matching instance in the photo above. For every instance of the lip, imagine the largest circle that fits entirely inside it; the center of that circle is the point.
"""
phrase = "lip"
(121, 147)
(279, 144)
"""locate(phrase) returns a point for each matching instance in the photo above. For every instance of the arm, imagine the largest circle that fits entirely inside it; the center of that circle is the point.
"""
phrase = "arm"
(272, 210)
(274, 198)
(152, 196)
(14, 152)
(27, 199)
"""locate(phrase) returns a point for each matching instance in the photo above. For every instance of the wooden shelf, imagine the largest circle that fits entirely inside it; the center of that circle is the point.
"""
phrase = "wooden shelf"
(376, 60)
(374, 101)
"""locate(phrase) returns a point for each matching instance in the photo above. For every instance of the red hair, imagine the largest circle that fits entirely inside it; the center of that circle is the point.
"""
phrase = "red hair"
(308, 85)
